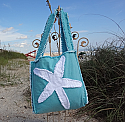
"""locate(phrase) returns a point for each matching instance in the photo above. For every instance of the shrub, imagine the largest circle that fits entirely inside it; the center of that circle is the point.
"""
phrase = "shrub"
(6, 55)
(104, 76)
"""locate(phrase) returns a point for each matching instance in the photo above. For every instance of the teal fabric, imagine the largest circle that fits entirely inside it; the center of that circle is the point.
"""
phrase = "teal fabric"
(66, 31)
(45, 35)
(77, 96)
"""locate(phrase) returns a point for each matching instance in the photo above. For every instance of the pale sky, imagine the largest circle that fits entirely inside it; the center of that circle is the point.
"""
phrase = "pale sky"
(22, 21)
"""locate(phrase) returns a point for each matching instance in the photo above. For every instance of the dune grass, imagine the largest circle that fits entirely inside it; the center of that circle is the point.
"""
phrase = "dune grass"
(104, 76)
(10, 62)
(8, 55)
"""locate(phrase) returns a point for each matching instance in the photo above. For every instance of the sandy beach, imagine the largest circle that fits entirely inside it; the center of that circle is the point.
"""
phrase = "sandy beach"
(15, 107)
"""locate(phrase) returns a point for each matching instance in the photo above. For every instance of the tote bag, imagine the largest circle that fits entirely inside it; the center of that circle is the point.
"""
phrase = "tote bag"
(56, 82)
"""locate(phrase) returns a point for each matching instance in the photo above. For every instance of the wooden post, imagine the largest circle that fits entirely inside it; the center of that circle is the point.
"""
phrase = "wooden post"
(59, 30)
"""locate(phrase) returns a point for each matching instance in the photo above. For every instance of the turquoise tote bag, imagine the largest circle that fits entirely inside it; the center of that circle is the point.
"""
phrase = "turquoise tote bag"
(56, 82)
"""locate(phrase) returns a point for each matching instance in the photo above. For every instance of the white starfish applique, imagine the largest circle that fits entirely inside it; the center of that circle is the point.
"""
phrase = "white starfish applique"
(56, 83)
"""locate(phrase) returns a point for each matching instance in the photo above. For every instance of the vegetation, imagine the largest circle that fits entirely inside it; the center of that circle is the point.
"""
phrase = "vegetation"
(7, 55)
(82, 53)
(104, 76)
(10, 63)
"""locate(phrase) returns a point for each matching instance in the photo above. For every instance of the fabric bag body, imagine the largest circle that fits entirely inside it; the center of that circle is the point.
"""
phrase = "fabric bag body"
(56, 82)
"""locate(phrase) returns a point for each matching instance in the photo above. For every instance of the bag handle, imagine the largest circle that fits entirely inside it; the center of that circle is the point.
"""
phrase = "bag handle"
(45, 35)
(66, 38)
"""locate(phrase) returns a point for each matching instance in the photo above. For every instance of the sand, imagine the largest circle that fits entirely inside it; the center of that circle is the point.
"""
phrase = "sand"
(14, 106)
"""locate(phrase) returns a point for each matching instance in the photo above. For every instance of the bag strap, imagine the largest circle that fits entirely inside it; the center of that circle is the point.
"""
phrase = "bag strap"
(45, 35)
(66, 38)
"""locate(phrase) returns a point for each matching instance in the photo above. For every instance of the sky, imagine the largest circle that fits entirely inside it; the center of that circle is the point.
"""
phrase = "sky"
(22, 21)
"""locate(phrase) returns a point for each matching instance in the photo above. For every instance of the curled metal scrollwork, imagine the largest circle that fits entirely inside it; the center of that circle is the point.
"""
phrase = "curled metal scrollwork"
(75, 35)
(82, 43)
(55, 36)
(35, 43)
